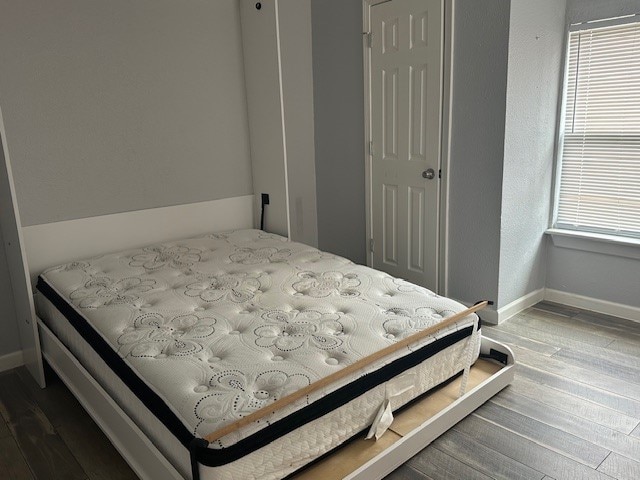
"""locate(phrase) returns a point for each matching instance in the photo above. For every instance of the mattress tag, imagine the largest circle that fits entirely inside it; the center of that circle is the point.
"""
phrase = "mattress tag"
(384, 417)
(382, 422)
(399, 385)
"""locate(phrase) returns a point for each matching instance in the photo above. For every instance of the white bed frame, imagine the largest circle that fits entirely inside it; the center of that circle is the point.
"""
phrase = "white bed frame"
(53, 244)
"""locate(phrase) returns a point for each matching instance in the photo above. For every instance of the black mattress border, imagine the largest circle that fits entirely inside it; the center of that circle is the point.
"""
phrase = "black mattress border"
(218, 457)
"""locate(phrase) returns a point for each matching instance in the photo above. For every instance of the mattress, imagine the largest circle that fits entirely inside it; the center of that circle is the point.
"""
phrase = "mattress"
(192, 335)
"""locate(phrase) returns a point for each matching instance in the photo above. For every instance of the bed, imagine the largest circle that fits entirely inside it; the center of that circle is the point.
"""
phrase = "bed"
(189, 339)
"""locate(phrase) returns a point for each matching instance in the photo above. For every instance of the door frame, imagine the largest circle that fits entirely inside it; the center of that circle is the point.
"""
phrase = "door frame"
(445, 137)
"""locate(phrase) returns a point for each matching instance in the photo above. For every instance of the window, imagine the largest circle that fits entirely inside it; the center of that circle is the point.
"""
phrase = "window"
(599, 184)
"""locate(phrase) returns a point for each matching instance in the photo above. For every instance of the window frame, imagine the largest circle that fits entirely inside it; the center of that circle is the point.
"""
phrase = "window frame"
(601, 241)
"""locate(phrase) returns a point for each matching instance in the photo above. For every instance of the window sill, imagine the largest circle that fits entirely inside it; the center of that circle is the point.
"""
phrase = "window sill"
(595, 242)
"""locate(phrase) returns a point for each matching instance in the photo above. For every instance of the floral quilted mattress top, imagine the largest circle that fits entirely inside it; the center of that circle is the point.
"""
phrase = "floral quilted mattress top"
(221, 325)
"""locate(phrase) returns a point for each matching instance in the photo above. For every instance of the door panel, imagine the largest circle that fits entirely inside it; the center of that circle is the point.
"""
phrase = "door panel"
(390, 35)
(406, 86)
(416, 229)
(419, 24)
(418, 107)
(390, 224)
(390, 85)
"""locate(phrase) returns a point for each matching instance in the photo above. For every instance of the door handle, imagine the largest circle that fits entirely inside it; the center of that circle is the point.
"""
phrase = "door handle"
(429, 174)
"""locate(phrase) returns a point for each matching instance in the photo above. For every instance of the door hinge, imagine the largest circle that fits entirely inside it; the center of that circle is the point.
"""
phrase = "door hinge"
(440, 173)
(372, 244)
(368, 38)
(371, 147)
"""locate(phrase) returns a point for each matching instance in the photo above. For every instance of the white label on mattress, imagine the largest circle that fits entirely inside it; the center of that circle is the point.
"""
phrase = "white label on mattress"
(384, 417)
(400, 384)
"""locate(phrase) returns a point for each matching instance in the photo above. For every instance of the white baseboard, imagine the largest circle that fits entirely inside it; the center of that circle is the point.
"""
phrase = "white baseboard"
(520, 304)
(620, 310)
(509, 310)
(594, 304)
(11, 360)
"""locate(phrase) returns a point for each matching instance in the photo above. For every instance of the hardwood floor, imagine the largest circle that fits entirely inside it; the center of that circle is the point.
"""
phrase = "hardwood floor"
(572, 412)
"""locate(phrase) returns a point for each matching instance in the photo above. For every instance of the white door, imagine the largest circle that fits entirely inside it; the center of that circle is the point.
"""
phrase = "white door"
(405, 112)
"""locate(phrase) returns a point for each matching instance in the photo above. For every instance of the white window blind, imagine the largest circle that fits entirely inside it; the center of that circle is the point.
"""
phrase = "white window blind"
(600, 167)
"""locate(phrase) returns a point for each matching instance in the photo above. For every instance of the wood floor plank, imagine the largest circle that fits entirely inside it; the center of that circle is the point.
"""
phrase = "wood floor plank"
(441, 466)
(620, 467)
(531, 339)
(56, 401)
(624, 394)
(45, 452)
(511, 338)
(4, 429)
(566, 402)
(482, 458)
(625, 406)
(611, 355)
(557, 309)
(406, 472)
(98, 458)
(525, 451)
(625, 347)
(550, 437)
(619, 325)
(93, 450)
(636, 433)
(546, 337)
(607, 438)
(589, 322)
(12, 464)
(604, 365)
(556, 325)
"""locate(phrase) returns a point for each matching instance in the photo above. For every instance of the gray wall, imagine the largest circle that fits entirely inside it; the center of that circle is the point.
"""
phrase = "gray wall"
(297, 86)
(585, 10)
(536, 40)
(121, 105)
(262, 82)
(280, 105)
(339, 126)
(606, 277)
(9, 339)
(478, 114)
